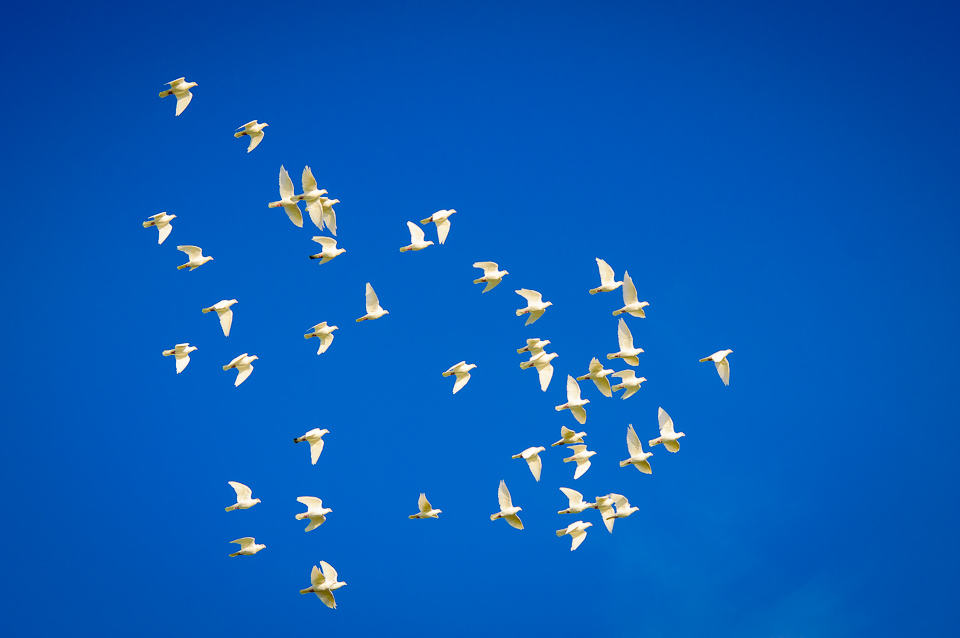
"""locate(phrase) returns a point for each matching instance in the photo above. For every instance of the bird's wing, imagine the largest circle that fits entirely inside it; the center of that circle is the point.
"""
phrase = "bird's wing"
(578, 535)
(535, 465)
(316, 213)
(633, 442)
(462, 378)
(566, 432)
(177, 81)
(573, 390)
(575, 497)
(316, 576)
(666, 423)
(604, 386)
(293, 212)
(453, 369)
(183, 101)
(330, 218)
(255, 139)
(424, 504)
(606, 272)
(491, 284)
(329, 572)
(182, 361)
(624, 336)
(489, 267)
(307, 180)
(629, 392)
(325, 341)
(545, 370)
(533, 317)
(226, 320)
(244, 542)
(315, 450)
(582, 467)
(416, 233)
(672, 446)
(629, 290)
(373, 302)
(164, 232)
(326, 596)
(621, 502)
(286, 184)
(595, 366)
(532, 296)
(503, 494)
(247, 125)
(328, 243)
(310, 501)
(625, 374)
(723, 369)
(242, 373)
(577, 449)
(443, 227)
(514, 521)
(235, 361)
(579, 414)
(243, 492)
(194, 252)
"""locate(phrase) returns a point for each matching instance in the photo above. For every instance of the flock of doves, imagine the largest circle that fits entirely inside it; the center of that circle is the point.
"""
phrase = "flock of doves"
(324, 579)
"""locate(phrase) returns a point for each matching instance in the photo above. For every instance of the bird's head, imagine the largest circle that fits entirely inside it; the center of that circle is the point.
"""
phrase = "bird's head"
(505, 272)
(471, 366)
(438, 512)
(429, 243)
(322, 432)
(586, 525)
(341, 251)
(641, 379)
(680, 434)
(206, 259)
(233, 301)
(332, 328)
(586, 401)
(541, 449)
(549, 303)
(386, 312)
(257, 500)
(192, 84)
(265, 125)
(591, 453)
(191, 348)
(254, 358)
(172, 216)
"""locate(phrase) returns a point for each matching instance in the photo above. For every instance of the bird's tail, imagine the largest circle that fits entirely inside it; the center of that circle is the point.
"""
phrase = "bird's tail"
(560, 442)
(240, 134)
(624, 463)
(183, 266)
(568, 459)
(317, 256)
(361, 319)
(653, 442)
(404, 249)
(230, 508)
(302, 516)
(299, 439)
(516, 456)
(494, 517)
(414, 516)
(206, 310)
(168, 353)
(584, 377)
(478, 281)
(226, 367)
(561, 532)
(306, 591)
(234, 554)
(426, 221)
(701, 360)
(594, 291)
(559, 408)
(166, 93)
(521, 312)
(525, 364)
(522, 350)
(149, 224)
(617, 312)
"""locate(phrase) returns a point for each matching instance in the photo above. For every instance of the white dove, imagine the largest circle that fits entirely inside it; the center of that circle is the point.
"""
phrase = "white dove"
(630, 304)
(374, 311)
(577, 504)
(723, 366)
(162, 222)
(492, 275)
(599, 376)
(314, 198)
(462, 370)
(243, 497)
(638, 458)
(535, 305)
(541, 362)
(441, 219)
(582, 456)
(323, 583)
(243, 365)
(329, 251)
(255, 130)
(577, 531)
(195, 255)
(248, 547)
(315, 438)
(426, 509)
(623, 508)
(507, 511)
(323, 332)
(181, 88)
(607, 513)
(222, 308)
(316, 512)
(607, 283)
(532, 456)
(569, 436)
(669, 438)
(287, 200)
(627, 352)
(534, 347)
(416, 239)
(182, 352)
(630, 382)
(574, 402)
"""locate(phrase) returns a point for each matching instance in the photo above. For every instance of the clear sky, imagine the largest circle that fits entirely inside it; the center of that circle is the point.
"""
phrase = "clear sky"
(779, 179)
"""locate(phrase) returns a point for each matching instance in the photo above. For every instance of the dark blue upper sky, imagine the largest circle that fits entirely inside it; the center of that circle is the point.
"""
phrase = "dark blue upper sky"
(779, 180)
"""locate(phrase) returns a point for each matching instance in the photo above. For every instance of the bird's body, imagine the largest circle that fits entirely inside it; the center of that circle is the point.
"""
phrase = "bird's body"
(574, 402)
(541, 361)
(607, 283)
(441, 219)
(320, 207)
(182, 353)
(426, 509)
(324, 333)
(195, 257)
(492, 275)
(535, 305)
(162, 222)
(598, 375)
(243, 365)
(576, 531)
(222, 308)
(316, 512)
(577, 504)
(462, 372)
(255, 130)
(627, 352)
(582, 458)
(507, 511)
(181, 88)
(329, 251)
(417, 241)
(315, 438)
(248, 547)
(532, 456)
(669, 437)
(374, 311)
(534, 346)
(723, 366)
(630, 304)
(623, 509)
(569, 437)
(638, 458)
(288, 201)
(245, 498)
(629, 382)
(323, 583)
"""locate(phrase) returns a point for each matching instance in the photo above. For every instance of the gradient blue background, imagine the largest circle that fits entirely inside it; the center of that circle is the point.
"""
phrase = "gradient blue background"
(778, 179)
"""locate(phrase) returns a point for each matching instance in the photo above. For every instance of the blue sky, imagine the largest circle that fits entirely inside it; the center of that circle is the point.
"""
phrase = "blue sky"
(779, 180)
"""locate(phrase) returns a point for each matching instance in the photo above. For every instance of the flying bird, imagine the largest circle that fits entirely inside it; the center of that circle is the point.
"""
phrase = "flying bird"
(319, 207)
(507, 511)
(195, 257)
(248, 547)
(535, 305)
(374, 311)
(638, 458)
(582, 457)
(607, 513)
(577, 531)
(323, 583)
(669, 438)
(569, 437)
(244, 494)
(426, 509)
(329, 251)
(324, 333)
(462, 371)
(290, 204)
(627, 352)
(577, 504)
(222, 308)
(541, 362)
(534, 347)
(723, 366)
(255, 130)
(182, 353)
(630, 382)
(623, 510)
(316, 512)
(181, 88)
(243, 365)
(630, 304)
(574, 402)
(416, 239)
(441, 219)
(598, 375)
(492, 275)
(532, 456)
(607, 283)
(315, 438)
(162, 222)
